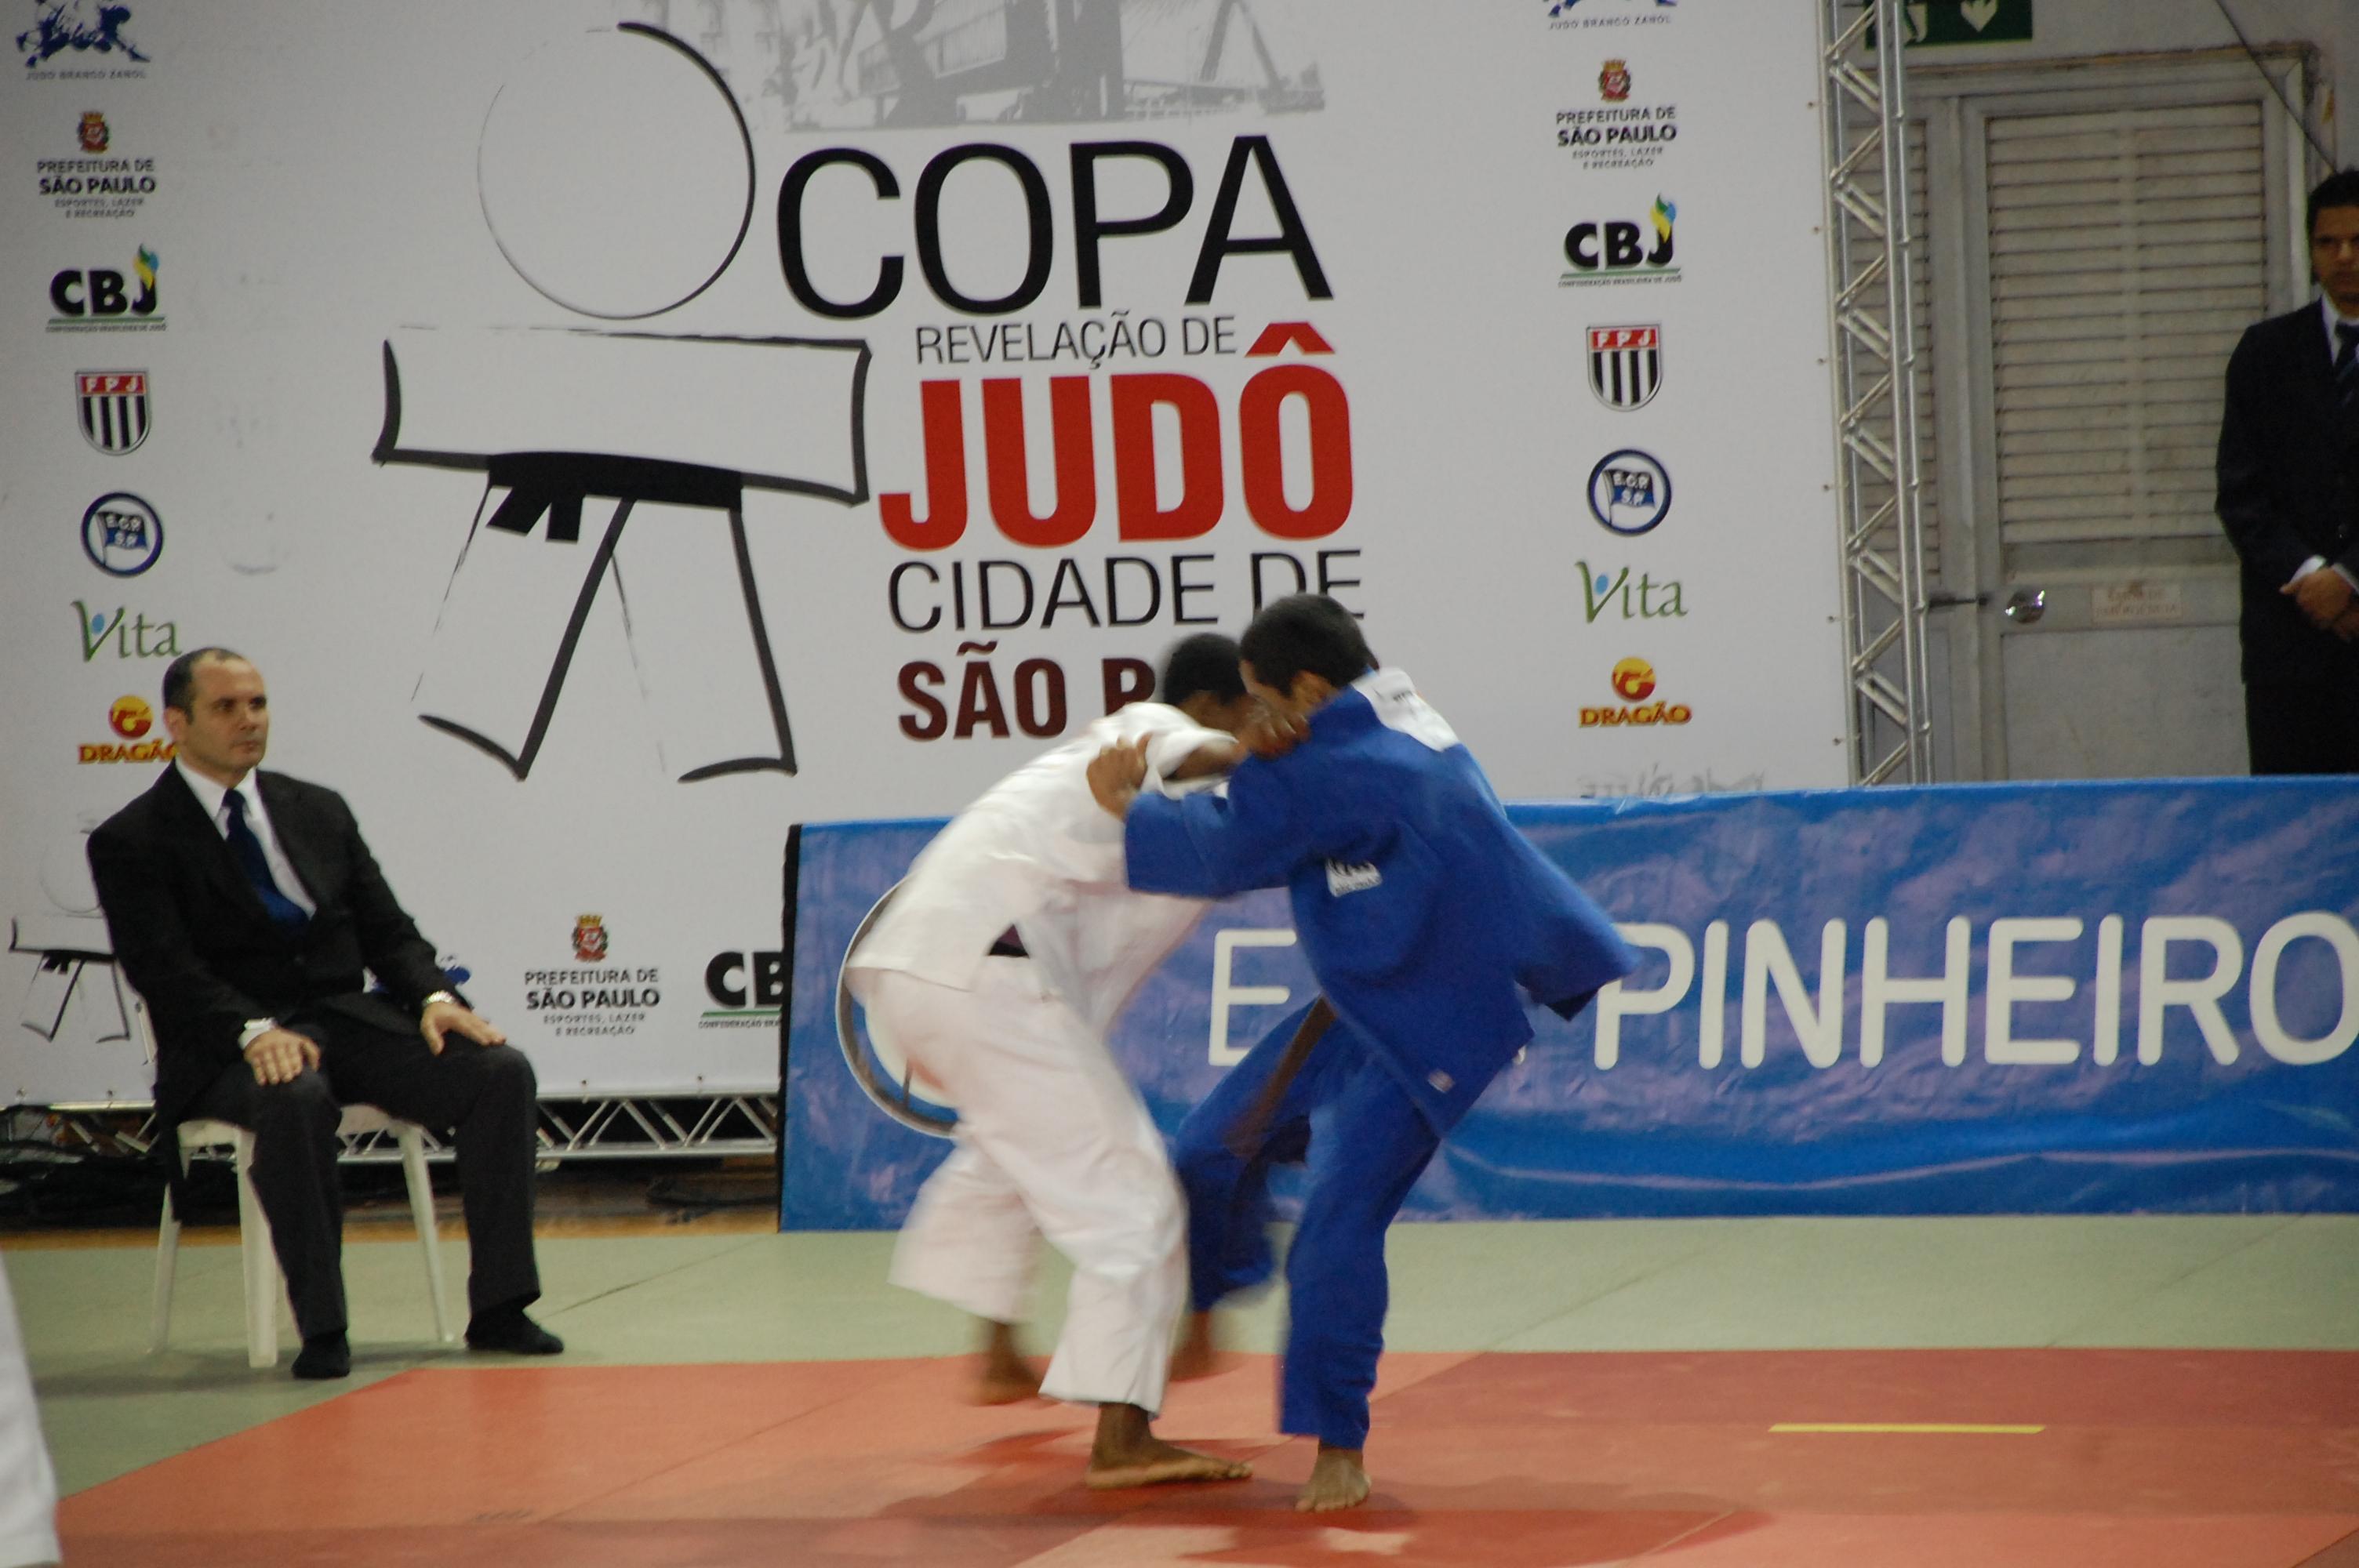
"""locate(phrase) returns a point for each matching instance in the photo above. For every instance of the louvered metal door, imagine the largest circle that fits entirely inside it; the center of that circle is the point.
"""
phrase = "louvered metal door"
(2115, 241)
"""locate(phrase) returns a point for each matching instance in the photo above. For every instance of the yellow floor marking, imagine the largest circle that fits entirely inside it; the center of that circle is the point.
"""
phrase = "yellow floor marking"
(1910, 1427)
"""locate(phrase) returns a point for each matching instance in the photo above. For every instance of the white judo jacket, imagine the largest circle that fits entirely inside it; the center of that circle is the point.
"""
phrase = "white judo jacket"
(1037, 852)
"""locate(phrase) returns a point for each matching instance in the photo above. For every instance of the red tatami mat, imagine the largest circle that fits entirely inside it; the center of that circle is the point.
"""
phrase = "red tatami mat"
(2223, 1459)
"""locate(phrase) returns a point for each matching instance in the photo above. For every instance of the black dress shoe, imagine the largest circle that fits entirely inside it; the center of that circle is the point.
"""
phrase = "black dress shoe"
(325, 1356)
(509, 1332)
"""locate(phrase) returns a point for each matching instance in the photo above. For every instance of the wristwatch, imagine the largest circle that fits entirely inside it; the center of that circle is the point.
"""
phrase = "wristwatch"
(434, 997)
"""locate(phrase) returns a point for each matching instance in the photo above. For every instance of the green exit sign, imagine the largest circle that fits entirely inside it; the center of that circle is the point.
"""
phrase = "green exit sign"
(1932, 23)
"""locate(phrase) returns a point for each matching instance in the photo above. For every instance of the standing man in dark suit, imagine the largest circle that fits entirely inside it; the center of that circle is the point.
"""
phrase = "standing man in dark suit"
(245, 907)
(2290, 500)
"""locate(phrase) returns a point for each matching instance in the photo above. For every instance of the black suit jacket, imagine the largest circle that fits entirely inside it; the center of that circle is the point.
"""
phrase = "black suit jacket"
(2289, 477)
(193, 935)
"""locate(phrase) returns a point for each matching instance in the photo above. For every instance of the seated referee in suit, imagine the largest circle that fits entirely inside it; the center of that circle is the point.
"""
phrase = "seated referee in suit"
(2289, 500)
(245, 907)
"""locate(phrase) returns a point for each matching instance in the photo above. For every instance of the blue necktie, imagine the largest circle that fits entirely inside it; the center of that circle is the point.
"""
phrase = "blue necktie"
(256, 867)
(2346, 360)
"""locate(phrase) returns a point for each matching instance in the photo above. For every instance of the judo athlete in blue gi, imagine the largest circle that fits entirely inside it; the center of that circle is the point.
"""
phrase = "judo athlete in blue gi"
(1427, 919)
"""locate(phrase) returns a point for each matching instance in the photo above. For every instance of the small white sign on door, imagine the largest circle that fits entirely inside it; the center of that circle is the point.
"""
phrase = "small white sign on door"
(2142, 602)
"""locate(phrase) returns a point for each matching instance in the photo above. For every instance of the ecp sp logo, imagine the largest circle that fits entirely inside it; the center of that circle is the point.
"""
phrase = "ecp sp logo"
(122, 534)
(1629, 492)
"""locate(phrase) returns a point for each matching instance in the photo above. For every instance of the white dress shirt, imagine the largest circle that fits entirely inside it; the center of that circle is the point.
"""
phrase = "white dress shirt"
(2331, 316)
(213, 798)
(1037, 852)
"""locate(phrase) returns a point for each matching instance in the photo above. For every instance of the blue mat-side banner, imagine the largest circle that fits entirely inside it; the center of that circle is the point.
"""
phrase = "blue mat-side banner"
(2008, 998)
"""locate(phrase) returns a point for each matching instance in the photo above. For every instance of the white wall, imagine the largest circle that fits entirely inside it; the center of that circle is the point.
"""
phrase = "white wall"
(2072, 29)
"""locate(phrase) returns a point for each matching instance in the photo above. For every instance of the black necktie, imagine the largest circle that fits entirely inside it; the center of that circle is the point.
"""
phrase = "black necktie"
(2346, 360)
(256, 867)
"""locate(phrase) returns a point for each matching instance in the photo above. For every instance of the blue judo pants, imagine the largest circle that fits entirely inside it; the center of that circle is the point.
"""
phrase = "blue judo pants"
(1365, 1143)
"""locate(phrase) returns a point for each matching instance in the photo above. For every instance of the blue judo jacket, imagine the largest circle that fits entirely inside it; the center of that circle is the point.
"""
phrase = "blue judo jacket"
(1422, 910)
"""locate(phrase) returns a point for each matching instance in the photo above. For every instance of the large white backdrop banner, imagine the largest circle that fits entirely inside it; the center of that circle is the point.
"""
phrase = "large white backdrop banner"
(621, 433)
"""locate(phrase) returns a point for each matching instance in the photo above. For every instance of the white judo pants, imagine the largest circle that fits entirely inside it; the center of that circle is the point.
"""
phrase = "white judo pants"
(1052, 1141)
(29, 1488)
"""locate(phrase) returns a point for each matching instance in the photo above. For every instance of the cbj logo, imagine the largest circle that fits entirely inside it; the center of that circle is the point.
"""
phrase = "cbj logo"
(99, 295)
(1622, 247)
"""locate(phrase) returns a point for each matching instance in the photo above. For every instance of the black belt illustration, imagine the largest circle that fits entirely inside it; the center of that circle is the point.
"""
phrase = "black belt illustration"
(668, 428)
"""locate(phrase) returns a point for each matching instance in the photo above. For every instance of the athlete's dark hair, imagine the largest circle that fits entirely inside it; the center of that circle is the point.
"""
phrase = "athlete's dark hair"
(1205, 662)
(1305, 631)
(180, 675)
(2334, 190)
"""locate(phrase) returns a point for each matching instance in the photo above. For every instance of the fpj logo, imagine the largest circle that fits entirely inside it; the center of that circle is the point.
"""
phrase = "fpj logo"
(1626, 366)
(132, 633)
(1612, 81)
(114, 408)
(590, 939)
(122, 534)
(1646, 600)
(62, 25)
(1629, 492)
(94, 132)
(1618, 251)
(132, 719)
(96, 299)
(1634, 683)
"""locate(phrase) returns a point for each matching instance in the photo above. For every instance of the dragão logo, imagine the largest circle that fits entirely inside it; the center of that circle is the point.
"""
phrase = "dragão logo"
(1632, 680)
(132, 719)
(1624, 252)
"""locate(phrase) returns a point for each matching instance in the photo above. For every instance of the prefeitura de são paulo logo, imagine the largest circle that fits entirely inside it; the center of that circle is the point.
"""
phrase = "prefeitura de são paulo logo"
(590, 939)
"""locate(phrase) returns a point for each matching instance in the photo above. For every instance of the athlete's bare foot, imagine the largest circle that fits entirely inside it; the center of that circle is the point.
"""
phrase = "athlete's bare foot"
(1197, 1351)
(1006, 1377)
(1337, 1481)
(1128, 1454)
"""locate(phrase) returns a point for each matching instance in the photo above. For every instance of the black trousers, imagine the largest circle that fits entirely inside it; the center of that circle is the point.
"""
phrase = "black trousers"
(485, 1093)
(2302, 726)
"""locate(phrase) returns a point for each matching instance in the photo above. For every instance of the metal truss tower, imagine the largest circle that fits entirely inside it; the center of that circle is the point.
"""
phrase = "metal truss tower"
(1877, 483)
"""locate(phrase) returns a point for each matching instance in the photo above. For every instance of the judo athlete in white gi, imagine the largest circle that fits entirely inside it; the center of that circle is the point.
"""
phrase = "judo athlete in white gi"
(996, 969)
(28, 1488)
(1427, 919)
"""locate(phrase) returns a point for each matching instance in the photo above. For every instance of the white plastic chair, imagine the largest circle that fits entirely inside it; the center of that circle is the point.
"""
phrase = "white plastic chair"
(264, 1284)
